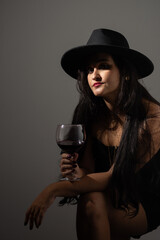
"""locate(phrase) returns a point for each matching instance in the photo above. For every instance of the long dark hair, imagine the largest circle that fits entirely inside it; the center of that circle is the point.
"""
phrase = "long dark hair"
(129, 102)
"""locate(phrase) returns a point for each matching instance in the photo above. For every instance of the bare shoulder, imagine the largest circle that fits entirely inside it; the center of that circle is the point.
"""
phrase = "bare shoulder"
(153, 108)
(153, 125)
(153, 116)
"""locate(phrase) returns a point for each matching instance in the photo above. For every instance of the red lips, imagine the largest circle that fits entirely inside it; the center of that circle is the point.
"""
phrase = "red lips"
(97, 84)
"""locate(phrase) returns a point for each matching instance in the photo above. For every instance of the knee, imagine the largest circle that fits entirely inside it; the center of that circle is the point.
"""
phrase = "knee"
(92, 206)
(92, 209)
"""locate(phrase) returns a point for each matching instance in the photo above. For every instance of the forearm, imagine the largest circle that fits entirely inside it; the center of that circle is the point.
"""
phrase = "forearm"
(94, 182)
(90, 183)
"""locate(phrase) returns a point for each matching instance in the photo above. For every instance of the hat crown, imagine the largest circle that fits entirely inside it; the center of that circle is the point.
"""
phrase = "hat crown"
(107, 37)
(108, 41)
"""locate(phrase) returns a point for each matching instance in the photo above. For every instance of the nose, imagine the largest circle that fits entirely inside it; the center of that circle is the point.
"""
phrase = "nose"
(96, 75)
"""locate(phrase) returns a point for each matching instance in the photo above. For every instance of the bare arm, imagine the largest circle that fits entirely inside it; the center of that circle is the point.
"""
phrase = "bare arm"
(94, 182)
(89, 183)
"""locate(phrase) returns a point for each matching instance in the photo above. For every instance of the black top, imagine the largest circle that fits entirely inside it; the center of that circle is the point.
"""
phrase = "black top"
(103, 156)
(147, 179)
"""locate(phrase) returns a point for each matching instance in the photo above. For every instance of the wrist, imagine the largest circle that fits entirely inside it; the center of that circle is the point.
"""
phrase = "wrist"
(52, 189)
(59, 189)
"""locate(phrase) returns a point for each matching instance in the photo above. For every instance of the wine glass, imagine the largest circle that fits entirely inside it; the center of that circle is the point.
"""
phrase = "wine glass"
(70, 138)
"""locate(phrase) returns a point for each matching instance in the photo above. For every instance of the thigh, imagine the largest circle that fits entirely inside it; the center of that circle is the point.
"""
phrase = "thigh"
(92, 205)
(95, 198)
(92, 217)
(121, 224)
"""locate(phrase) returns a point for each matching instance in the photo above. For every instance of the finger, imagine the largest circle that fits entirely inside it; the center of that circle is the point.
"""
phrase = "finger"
(66, 167)
(39, 218)
(31, 223)
(27, 216)
(33, 217)
(73, 156)
(66, 155)
(76, 156)
(67, 173)
(26, 220)
(36, 215)
(65, 161)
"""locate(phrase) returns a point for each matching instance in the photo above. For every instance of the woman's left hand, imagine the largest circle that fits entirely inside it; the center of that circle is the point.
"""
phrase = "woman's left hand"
(36, 211)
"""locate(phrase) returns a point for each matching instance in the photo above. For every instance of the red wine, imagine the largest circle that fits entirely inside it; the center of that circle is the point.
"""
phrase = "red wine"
(70, 146)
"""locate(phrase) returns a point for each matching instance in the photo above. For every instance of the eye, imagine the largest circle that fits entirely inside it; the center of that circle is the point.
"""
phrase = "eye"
(104, 66)
(90, 70)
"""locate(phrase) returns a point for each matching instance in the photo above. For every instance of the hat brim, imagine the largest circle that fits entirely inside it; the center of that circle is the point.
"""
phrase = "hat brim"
(75, 58)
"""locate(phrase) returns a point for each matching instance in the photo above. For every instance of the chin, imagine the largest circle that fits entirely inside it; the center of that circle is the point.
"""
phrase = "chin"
(98, 94)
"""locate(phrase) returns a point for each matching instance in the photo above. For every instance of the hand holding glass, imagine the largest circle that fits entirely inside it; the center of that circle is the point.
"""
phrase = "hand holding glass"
(70, 138)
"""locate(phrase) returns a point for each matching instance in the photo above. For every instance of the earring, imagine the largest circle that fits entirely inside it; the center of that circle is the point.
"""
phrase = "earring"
(127, 78)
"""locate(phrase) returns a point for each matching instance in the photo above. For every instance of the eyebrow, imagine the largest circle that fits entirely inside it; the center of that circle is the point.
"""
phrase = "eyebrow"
(102, 60)
(99, 60)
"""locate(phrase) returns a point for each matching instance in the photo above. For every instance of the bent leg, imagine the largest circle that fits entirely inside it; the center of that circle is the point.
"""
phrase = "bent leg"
(92, 217)
(121, 224)
(97, 219)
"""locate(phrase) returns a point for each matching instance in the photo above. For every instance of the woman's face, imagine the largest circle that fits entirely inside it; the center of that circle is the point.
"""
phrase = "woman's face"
(103, 77)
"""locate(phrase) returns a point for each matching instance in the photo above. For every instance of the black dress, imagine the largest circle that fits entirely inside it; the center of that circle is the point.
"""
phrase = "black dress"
(148, 181)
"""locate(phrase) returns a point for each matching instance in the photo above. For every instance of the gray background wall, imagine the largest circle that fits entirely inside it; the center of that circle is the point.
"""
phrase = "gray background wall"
(36, 95)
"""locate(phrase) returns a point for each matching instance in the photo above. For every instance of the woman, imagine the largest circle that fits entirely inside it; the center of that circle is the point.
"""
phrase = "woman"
(119, 166)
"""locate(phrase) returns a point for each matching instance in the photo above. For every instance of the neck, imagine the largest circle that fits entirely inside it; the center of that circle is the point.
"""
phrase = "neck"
(110, 103)
(110, 99)
(111, 106)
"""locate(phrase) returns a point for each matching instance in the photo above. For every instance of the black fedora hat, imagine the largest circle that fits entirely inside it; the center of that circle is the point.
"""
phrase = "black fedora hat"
(105, 40)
